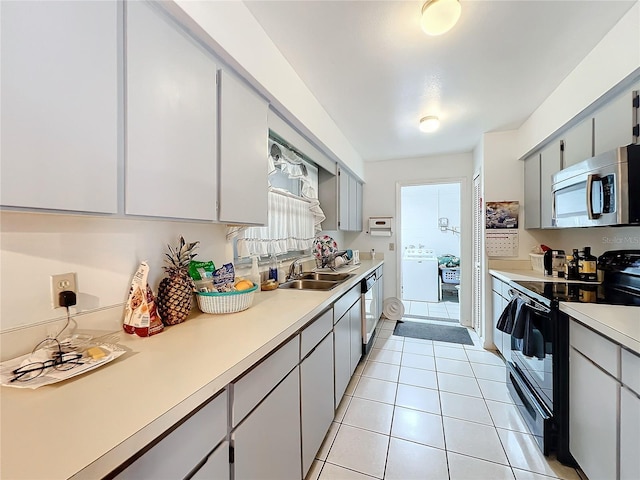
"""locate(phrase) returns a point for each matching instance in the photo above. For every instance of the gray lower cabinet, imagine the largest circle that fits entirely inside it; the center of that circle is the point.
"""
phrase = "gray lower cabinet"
(629, 434)
(342, 356)
(499, 301)
(184, 448)
(316, 399)
(217, 466)
(604, 414)
(497, 307)
(267, 443)
(355, 336)
(592, 417)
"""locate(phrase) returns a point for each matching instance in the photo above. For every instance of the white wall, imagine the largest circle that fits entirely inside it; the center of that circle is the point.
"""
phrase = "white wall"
(422, 206)
(104, 252)
(616, 57)
(504, 181)
(380, 195)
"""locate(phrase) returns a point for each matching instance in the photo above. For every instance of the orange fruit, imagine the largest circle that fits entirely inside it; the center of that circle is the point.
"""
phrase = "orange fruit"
(244, 285)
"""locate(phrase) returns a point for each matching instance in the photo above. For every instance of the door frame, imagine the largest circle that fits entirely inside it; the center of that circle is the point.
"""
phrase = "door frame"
(465, 238)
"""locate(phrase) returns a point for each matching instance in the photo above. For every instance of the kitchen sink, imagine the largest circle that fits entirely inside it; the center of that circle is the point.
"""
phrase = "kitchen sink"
(332, 277)
(306, 284)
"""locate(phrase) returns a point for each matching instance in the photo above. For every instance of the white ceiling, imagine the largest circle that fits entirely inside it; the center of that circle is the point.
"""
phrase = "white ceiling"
(376, 73)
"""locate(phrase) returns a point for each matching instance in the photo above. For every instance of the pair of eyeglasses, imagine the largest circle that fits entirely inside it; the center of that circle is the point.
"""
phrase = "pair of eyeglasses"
(60, 360)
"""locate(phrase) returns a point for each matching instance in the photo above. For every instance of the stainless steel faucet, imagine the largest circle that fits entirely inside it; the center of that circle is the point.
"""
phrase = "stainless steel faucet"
(295, 269)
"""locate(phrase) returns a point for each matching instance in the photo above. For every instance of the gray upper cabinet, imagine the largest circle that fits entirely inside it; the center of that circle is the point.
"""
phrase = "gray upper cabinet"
(341, 200)
(59, 105)
(613, 123)
(578, 143)
(549, 164)
(350, 201)
(532, 191)
(244, 135)
(171, 106)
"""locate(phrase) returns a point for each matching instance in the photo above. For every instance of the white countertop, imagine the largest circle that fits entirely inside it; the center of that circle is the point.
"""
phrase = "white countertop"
(619, 323)
(87, 426)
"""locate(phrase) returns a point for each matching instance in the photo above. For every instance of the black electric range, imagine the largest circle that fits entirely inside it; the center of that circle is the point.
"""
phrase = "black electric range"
(537, 378)
(620, 286)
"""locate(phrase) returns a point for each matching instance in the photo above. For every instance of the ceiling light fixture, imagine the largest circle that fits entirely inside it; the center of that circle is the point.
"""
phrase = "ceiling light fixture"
(429, 123)
(439, 16)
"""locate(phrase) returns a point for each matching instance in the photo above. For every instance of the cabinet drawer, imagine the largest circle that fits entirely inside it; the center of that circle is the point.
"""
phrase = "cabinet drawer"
(315, 332)
(180, 451)
(595, 347)
(631, 370)
(344, 303)
(500, 287)
(250, 389)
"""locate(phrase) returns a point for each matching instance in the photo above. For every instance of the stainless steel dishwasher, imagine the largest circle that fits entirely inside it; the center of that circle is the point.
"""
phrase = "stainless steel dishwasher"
(370, 311)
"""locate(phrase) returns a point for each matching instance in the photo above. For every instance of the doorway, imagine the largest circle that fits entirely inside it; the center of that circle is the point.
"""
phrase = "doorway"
(429, 254)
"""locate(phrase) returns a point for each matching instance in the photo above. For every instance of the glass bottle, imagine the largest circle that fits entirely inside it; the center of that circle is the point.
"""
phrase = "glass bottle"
(587, 266)
(273, 267)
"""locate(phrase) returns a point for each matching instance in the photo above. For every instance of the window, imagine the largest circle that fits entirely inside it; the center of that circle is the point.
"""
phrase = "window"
(294, 215)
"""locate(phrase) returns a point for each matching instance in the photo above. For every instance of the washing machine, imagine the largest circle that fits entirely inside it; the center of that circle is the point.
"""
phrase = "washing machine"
(420, 275)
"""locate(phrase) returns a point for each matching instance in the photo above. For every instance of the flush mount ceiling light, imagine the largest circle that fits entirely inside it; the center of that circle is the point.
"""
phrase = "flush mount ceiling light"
(429, 123)
(439, 16)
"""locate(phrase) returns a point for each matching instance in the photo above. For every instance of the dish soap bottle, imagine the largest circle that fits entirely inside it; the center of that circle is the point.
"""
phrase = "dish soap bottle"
(254, 274)
(273, 267)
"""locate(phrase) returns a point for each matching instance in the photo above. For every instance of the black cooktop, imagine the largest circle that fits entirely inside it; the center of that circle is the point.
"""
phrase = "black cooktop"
(581, 292)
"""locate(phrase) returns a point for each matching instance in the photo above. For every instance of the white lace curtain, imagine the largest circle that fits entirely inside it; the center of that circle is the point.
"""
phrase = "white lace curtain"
(290, 227)
(292, 221)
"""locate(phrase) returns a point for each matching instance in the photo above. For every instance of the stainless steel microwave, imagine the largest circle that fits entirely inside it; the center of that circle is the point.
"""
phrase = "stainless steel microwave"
(602, 190)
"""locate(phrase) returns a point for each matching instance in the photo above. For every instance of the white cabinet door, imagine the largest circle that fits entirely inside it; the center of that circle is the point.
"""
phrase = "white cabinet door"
(578, 143)
(355, 319)
(613, 124)
(267, 443)
(593, 404)
(244, 136)
(629, 435)
(217, 465)
(342, 356)
(59, 104)
(171, 119)
(532, 191)
(549, 164)
(316, 399)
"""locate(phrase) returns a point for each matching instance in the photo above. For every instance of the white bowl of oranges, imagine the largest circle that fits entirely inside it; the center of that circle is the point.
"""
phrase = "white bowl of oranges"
(240, 298)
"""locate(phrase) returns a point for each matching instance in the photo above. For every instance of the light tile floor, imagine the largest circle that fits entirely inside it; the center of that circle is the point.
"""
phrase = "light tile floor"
(445, 309)
(418, 409)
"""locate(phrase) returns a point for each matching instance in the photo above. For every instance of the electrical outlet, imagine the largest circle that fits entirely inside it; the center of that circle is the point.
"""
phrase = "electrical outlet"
(60, 283)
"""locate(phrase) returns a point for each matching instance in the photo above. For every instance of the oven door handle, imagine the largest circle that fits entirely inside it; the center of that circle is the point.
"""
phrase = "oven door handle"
(526, 397)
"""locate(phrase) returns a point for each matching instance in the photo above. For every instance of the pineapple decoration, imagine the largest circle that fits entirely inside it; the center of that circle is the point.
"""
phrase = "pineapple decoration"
(176, 290)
